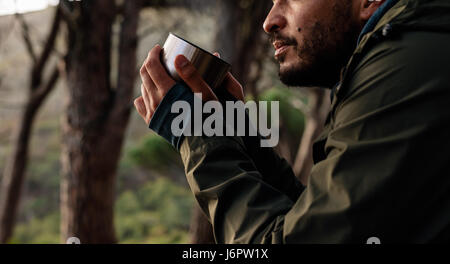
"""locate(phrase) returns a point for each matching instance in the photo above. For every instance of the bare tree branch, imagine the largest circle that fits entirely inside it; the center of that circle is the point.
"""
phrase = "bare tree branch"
(67, 15)
(127, 56)
(14, 174)
(40, 42)
(44, 90)
(48, 48)
(167, 3)
(26, 37)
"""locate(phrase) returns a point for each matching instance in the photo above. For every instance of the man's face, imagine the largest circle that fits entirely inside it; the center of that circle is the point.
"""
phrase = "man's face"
(313, 39)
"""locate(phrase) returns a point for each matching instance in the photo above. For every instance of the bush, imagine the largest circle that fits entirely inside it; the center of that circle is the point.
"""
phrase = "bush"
(154, 153)
(158, 212)
(292, 117)
(38, 231)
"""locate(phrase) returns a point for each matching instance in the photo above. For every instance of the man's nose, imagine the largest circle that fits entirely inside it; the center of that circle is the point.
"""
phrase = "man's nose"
(275, 21)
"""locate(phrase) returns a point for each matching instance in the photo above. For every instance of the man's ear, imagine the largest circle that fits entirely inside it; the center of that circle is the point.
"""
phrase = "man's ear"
(368, 7)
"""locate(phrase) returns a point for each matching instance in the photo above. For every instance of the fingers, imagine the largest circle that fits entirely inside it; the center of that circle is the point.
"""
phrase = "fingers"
(157, 72)
(148, 83)
(145, 96)
(193, 79)
(155, 84)
(145, 77)
(147, 99)
(140, 106)
(234, 87)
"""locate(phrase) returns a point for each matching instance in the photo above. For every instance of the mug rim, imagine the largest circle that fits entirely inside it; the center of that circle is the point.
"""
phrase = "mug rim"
(197, 47)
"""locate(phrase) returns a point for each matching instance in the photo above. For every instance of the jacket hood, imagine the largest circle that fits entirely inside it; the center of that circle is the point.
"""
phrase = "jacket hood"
(427, 15)
(430, 15)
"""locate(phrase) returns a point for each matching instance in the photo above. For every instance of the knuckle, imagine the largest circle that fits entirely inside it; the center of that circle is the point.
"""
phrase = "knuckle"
(143, 70)
(148, 64)
(153, 58)
(151, 63)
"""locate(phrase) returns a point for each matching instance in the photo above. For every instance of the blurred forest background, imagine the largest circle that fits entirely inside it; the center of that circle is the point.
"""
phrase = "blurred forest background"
(75, 157)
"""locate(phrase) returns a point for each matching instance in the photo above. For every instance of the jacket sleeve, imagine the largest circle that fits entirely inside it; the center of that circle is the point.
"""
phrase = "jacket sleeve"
(381, 177)
(242, 207)
(274, 170)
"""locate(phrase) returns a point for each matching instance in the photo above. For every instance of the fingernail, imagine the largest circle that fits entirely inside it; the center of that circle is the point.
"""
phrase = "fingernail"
(181, 61)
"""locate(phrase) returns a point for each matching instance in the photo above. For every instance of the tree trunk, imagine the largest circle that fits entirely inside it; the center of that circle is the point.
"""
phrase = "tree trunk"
(13, 176)
(241, 41)
(96, 118)
(319, 106)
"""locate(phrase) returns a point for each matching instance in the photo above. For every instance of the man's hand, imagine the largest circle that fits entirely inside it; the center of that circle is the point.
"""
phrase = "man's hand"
(156, 82)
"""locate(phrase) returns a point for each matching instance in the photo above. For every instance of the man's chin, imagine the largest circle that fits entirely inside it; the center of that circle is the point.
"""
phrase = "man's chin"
(291, 76)
(296, 77)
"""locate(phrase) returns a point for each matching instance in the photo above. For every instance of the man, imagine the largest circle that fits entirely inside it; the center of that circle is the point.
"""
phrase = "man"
(381, 167)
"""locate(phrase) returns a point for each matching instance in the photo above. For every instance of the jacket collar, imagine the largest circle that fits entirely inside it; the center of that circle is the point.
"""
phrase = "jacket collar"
(368, 27)
(375, 18)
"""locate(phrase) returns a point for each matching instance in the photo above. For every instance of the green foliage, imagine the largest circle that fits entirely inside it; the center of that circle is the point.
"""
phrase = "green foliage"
(146, 212)
(292, 117)
(43, 179)
(38, 219)
(173, 202)
(38, 231)
(154, 153)
(158, 212)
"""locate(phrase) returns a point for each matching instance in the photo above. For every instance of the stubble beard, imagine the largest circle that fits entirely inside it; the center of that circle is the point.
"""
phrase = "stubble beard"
(322, 53)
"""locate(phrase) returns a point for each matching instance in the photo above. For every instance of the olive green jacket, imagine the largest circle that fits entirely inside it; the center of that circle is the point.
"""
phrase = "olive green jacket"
(381, 166)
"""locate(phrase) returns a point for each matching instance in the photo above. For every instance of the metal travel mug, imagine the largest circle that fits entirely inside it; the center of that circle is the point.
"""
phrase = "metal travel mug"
(211, 68)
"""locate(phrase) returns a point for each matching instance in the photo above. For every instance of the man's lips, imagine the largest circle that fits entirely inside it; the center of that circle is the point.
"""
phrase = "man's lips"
(280, 50)
(280, 47)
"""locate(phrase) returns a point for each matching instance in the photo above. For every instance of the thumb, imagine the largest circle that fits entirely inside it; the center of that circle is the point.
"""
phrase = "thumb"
(232, 85)
(193, 79)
